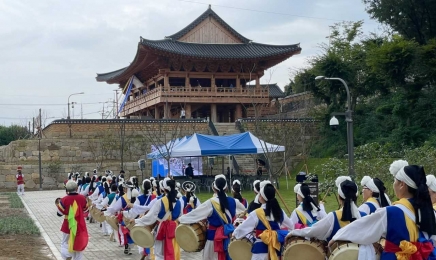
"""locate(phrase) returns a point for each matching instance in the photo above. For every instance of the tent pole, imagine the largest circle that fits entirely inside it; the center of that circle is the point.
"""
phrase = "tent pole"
(286, 170)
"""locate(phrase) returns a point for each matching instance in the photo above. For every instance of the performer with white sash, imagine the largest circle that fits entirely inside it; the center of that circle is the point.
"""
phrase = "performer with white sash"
(166, 210)
(219, 211)
(431, 183)
(374, 195)
(266, 221)
(327, 227)
(406, 225)
(255, 204)
(308, 212)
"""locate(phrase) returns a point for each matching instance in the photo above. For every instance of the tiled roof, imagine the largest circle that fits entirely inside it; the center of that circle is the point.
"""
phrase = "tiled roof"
(201, 18)
(109, 75)
(250, 50)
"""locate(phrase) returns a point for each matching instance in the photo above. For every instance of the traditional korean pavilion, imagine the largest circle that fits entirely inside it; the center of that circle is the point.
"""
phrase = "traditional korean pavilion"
(207, 69)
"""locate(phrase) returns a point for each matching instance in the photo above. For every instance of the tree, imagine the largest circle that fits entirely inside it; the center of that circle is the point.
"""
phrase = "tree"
(414, 19)
(12, 133)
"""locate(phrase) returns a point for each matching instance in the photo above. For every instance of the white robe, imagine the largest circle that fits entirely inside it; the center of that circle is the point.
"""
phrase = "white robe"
(251, 223)
(320, 214)
(202, 212)
(365, 208)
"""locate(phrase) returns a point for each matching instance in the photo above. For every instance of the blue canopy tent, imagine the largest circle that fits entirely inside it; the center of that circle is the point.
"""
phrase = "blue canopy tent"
(211, 145)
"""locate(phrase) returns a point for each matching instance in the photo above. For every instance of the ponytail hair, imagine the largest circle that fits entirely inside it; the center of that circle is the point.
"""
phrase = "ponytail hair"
(120, 190)
(158, 188)
(308, 202)
(349, 190)
(146, 186)
(272, 205)
(220, 185)
(236, 188)
(425, 217)
(171, 193)
(381, 195)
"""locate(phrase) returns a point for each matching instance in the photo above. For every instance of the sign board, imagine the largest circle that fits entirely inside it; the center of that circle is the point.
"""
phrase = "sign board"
(314, 192)
(141, 164)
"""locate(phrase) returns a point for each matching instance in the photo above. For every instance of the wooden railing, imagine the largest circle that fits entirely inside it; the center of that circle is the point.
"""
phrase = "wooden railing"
(152, 96)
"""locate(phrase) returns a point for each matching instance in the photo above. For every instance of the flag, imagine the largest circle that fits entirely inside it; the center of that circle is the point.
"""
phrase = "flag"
(126, 97)
(78, 239)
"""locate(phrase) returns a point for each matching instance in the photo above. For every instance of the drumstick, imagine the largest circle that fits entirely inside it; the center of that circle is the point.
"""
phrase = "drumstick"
(281, 198)
(325, 195)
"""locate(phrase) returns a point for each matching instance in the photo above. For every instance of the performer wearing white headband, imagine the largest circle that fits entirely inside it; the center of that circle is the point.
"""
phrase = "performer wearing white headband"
(409, 220)
(374, 195)
(431, 183)
(123, 203)
(327, 227)
(255, 204)
(104, 204)
(308, 212)
(219, 211)
(236, 190)
(166, 210)
(267, 222)
(189, 200)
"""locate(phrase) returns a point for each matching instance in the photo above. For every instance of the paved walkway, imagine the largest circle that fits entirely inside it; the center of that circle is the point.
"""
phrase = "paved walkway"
(41, 207)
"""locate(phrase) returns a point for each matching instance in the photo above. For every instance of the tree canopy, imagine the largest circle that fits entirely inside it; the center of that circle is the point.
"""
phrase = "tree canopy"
(12, 133)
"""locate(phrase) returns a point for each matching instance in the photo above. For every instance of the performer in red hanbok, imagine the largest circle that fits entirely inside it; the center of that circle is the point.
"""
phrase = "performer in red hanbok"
(74, 232)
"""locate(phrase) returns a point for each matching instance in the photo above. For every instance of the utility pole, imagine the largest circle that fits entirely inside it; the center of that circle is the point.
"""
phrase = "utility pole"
(116, 101)
(81, 111)
(39, 150)
(33, 126)
(102, 113)
(28, 129)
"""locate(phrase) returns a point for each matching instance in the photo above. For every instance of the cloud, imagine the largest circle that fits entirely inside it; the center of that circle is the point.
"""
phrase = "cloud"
(50, 49)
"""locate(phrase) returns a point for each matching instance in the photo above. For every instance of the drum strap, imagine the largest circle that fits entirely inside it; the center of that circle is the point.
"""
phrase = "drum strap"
(304, 217)
(410, 218)
(268, 236)
(217, 208)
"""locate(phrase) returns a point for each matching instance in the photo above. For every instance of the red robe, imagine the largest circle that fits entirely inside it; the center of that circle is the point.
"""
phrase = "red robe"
(67, 203)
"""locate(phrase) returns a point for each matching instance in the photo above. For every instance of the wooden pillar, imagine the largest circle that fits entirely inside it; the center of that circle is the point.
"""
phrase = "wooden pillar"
(166, 111)
(213, 115)
(156, 112)
(238, 82)
(188, 111)
(187, 80)
(212, 81)
(257, 81)
(238, 112)
(166, 81)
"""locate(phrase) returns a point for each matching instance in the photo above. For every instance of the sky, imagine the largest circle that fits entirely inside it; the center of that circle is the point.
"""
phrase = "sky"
(51, 49)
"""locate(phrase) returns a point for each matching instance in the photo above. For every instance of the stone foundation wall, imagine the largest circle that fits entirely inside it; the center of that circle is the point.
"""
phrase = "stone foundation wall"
(53, 178)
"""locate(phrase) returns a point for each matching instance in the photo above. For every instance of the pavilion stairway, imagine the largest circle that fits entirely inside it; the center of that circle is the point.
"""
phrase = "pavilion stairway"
(246, 163)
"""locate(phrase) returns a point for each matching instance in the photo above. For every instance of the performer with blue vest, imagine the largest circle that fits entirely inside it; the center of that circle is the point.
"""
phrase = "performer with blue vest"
(407, 225)
(84, 190)
(220, 212)
(98, 190)
(141, 206)
(166, 211)
(327, 227)
(431, 183)
(126, 197)
(190, 201)
(104, 204)
(308, 212)
(374, 195)
(266, 221)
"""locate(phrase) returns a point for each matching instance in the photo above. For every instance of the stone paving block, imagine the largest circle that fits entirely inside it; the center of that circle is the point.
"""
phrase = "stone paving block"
(41, 203)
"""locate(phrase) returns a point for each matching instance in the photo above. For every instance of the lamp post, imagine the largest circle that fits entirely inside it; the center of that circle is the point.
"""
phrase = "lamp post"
(80, 93)
(349, 119)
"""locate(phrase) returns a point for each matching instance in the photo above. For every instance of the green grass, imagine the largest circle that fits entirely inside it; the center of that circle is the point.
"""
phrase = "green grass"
(15, 220)
(18, 225)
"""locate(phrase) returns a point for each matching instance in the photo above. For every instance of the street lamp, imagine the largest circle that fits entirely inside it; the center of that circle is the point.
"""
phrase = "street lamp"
(80, 93)
(349, 119)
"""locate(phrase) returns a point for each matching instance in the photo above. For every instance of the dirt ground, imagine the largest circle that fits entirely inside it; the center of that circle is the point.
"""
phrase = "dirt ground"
(21, 246)
(24, 247)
